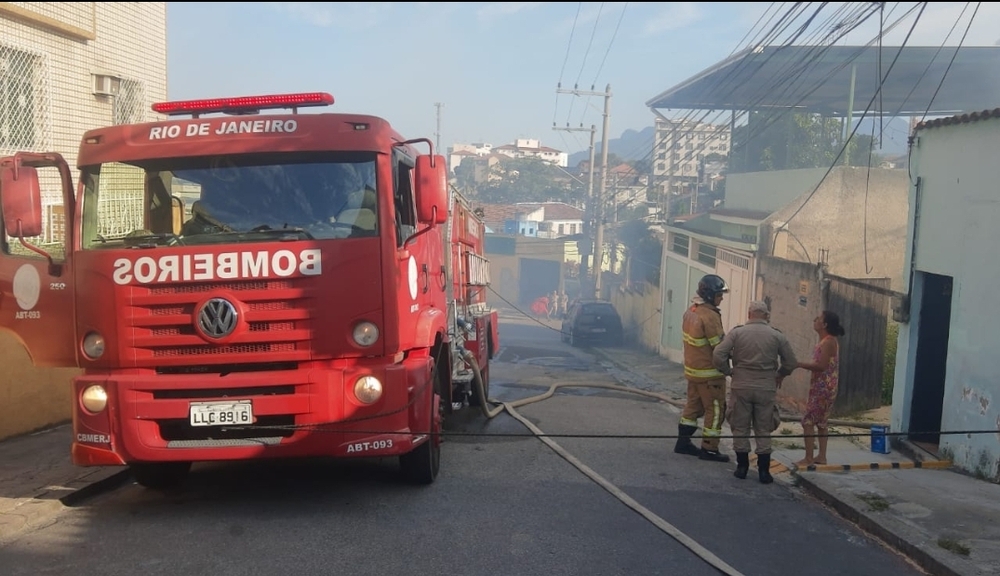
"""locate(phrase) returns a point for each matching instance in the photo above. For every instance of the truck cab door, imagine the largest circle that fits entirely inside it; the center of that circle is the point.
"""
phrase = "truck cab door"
(36, 279)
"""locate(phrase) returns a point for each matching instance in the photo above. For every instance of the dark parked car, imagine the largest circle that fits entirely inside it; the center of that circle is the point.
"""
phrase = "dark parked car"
(592, 321)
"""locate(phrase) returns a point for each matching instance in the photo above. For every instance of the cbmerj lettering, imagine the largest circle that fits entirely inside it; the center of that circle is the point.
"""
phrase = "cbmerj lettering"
(225, 266)
(224, 128)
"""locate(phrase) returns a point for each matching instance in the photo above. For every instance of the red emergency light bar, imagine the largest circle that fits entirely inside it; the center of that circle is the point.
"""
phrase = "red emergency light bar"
(243, 104)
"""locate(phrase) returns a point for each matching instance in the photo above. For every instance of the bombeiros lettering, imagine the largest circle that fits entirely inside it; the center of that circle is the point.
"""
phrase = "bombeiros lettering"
(224, 128)
(225, 266)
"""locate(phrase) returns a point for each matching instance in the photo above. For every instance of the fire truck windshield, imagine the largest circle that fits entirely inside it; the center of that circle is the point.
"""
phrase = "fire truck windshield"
(229, 199)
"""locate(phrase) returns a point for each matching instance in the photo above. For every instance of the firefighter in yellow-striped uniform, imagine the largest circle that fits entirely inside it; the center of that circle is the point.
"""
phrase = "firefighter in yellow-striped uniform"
(706, 392)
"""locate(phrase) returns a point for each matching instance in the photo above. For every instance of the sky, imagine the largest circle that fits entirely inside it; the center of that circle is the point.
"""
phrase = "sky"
(494, 66)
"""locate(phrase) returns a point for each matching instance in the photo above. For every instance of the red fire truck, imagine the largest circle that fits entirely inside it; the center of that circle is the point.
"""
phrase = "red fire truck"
(237, 284)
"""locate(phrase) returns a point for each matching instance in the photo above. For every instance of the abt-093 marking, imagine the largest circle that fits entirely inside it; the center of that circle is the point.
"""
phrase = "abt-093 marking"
(369, 446)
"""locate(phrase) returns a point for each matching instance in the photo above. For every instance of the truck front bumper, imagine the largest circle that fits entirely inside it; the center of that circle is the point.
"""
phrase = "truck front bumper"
(295, 413)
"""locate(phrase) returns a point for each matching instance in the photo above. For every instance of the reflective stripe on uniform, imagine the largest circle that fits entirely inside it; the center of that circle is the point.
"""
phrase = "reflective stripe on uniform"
(699, 342)
(716, 416)
(710, 373)
(710, 432)
(686, 422)
(714, 340)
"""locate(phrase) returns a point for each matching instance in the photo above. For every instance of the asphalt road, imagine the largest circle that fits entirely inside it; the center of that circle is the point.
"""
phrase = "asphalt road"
(503, 504)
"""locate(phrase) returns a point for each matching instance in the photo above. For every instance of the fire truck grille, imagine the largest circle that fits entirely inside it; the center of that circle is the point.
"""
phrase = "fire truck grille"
(213, 286)
(275, 320)
(175, 351)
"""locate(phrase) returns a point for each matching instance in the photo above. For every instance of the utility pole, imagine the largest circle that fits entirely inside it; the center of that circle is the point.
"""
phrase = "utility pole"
(437, 134)
(614, 223)
(586, 245)
(850, 117)
(599, 200)
(599, 242)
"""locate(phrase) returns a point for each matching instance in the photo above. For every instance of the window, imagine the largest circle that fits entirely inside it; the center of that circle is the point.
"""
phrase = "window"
(129, 104)
(680, 245)
(406, 213)
(22, 101)
(562, 229)
(229, 199)
(706, 254)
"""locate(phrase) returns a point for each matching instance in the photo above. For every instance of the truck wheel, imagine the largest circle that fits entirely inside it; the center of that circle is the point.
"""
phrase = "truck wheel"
(160, 475)
(421, 465)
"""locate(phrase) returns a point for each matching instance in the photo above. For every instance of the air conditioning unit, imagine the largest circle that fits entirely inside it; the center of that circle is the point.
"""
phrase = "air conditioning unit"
(106, 85)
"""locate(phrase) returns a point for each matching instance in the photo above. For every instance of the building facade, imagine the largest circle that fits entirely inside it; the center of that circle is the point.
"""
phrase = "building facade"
(532, 148)
(67, 67)
(945, 364)
(680, 149)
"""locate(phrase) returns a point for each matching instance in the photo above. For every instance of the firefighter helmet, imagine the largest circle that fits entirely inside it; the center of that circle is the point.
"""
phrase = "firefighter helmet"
(711, 285)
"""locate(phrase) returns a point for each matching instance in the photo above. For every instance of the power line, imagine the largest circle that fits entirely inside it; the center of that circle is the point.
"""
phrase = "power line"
(569, 45)
(842, 28)
(853, 132)
(953, 56)
(584, 63)
(610, 44)
(603, 60)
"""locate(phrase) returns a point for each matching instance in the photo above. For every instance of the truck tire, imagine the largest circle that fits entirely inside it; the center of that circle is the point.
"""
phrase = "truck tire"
(160, 475)
(421, 465)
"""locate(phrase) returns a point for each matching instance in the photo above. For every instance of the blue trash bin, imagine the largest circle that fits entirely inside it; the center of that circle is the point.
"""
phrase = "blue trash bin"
(880, 442)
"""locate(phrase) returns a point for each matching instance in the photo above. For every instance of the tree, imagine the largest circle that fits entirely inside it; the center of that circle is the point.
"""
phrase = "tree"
(465, 174)
(526, 180)
(642, 251)
(782, 141)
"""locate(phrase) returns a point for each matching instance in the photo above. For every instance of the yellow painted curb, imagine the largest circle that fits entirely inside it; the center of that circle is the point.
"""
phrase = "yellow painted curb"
(933, 464)
(775, 468)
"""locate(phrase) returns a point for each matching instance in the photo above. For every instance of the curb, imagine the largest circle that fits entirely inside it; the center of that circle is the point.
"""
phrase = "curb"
(932, 565)
(112, 482)
(933, 464)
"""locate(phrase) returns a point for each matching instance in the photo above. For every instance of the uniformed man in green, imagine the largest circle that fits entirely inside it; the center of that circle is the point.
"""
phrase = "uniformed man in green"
(761, 357)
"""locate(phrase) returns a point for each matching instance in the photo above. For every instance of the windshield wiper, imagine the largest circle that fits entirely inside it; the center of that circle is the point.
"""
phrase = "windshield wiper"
(152, 240)
(265, 229)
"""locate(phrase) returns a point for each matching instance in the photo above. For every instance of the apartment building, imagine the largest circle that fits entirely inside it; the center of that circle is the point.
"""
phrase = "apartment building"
(680, 149)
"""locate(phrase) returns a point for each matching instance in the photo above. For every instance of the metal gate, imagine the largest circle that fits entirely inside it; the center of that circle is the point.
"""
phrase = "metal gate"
(863, 308)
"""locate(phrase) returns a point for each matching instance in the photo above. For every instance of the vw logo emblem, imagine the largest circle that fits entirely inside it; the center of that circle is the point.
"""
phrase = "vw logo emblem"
(218, 318)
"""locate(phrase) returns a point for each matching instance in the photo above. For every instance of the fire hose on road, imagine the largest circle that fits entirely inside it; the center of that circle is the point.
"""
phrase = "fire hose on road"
(510, 408)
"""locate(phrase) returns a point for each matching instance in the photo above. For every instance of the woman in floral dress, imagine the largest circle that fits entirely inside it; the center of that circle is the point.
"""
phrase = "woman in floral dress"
(825, 367)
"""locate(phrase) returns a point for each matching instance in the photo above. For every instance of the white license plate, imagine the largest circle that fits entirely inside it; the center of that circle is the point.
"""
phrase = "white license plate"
(221, 413)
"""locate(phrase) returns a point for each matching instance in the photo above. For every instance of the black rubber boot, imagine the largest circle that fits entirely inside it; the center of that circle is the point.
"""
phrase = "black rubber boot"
(742, 465)
(713, 456)
(684, 445)
(764, 468)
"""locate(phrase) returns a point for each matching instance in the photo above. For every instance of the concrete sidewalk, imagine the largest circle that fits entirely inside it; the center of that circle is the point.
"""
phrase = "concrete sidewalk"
(944, 521)
(37, 480)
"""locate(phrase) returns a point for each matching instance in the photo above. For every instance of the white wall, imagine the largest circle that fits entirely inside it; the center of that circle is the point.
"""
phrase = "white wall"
(770, 191)
(956, 235)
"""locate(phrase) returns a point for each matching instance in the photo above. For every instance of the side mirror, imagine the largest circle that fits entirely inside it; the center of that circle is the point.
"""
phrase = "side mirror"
(432, 189)
(22, 201)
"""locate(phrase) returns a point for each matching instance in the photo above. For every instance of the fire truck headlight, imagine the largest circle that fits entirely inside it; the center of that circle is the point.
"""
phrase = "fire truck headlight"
(368, 389)
(93, 345)
(94, 398)
(365, 334)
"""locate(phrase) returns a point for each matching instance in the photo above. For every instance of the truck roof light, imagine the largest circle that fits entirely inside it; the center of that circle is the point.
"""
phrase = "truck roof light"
(243, 104)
